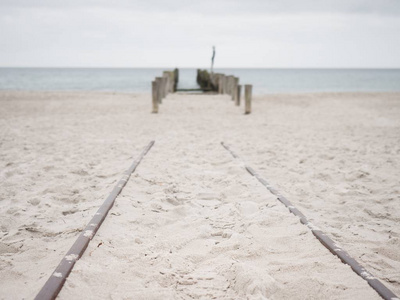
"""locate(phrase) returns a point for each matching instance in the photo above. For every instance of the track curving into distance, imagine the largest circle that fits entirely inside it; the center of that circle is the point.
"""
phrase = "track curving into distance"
(57, 279)
(333, 247)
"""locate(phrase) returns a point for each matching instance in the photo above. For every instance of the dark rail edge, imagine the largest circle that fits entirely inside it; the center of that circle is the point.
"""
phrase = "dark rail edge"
(333, 247)
(57, 279)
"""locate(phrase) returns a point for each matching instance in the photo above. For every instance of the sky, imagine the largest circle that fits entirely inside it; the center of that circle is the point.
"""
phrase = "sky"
(180, 33)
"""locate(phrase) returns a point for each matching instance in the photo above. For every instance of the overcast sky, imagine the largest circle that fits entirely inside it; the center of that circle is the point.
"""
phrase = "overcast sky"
(178, 33)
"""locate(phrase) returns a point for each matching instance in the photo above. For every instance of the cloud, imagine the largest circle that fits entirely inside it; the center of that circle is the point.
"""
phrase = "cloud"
(219, 7)
(248, 33)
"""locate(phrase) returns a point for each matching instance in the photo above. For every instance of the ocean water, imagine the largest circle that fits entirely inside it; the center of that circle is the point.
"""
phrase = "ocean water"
(264, 81)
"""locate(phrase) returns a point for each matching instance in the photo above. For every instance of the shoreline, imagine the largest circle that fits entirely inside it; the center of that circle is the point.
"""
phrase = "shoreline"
(256, 96)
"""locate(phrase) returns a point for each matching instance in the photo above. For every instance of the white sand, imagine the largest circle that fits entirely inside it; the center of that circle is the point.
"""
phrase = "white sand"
(192, 222)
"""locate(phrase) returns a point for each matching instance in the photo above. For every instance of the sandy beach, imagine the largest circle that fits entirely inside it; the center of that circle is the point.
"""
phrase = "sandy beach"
(192, 223)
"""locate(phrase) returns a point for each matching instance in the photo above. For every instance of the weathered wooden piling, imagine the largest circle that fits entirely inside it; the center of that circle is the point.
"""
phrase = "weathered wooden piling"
(235, 85)
(227, 81)
(215, 79)
(167, 83)
(228, 85)
(247, 98)
(211, 82)
(154, 94)
(224, 84)
(231, 86)
(221, 84)
(206, 81)
(172, 81)
(167, 79)
(203, 79)
(170, 75)
(176, 79)
(164, 86)
(238, 92)
(159, 89)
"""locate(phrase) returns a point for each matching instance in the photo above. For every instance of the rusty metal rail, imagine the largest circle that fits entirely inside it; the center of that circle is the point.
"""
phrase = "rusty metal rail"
(56, 281)
(333, 247)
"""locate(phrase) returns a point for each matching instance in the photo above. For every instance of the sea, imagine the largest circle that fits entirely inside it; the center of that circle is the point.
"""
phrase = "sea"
(138, 80)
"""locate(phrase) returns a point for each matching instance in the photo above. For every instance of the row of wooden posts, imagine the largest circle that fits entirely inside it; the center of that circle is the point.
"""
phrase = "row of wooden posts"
(228, 84)
(217, 82)
(162, 86)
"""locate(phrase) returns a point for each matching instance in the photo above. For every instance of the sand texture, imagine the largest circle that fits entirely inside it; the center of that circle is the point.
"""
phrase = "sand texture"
(192, 223)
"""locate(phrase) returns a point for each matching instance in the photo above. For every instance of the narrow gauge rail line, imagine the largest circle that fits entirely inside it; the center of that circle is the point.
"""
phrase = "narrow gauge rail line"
(334, 248)
(56, 281)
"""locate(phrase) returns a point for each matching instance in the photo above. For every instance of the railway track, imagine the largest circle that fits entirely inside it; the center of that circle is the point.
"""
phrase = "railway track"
(56, 281)
(333, 247)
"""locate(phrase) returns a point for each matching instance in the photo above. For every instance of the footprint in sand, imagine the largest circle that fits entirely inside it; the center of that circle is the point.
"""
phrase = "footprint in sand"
(4, 248)
(253, 282)
(247, 208)
(203, 284)
(208, 199)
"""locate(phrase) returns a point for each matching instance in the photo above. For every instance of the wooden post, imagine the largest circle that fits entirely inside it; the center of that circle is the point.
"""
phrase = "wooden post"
(212, 78)
(154, 91)
(176, 79)
(238, 92)
(235, 82)
(225, 84)
(233, 88)
(221, 84)
(170, 81)
(159, 89)
(167, 88)
(247, 98)
(215, 81)
(166, 76)
(164, 87)
(230, 85)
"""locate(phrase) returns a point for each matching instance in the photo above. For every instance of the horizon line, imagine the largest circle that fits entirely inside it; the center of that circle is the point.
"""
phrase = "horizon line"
(163, 67)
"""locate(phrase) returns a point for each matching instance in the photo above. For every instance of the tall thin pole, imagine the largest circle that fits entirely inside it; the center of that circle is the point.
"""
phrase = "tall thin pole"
(212, 60)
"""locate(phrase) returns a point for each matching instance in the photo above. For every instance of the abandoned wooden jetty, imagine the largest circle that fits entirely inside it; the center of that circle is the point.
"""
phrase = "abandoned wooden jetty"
(208, 82)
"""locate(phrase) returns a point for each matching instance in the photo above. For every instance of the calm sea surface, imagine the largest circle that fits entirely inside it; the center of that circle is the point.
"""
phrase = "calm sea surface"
(264, 81)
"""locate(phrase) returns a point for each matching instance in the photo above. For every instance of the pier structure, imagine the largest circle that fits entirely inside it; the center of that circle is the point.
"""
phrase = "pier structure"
(208, 82)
